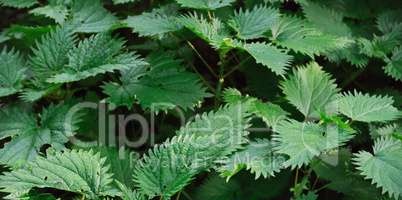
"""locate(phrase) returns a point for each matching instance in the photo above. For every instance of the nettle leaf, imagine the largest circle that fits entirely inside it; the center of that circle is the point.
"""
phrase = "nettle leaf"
(309, 89)
(205, 4)
(56, 10)
(252, 24)
(155, 23)
(95, 55)
(258, 157)
(213, 31)
(366, 108)
(18, 3)
(300, 36)
(383, 167)
(169, 167)
(90, 16)
(50, 52)
(332, 23)
(12, 72)
(270, 113)
(275, 59)
(389, 21)
(302, 141)
(80, 171)
(165, 86)
(116, 2)
(121, 163)
(394, 65)
(129, 194)
(28, 136)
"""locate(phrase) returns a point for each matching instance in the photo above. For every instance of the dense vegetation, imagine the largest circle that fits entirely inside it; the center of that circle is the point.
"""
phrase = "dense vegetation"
(201, 99)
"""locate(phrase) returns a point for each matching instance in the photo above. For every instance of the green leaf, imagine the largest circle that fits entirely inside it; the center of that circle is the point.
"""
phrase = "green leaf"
(155, 23)
(169, 167)
(270, 113)
(28, 136)
(309, 196)
(366, 108)
(76, 171)
(302, 141)
(121, 163)
(309, 89)
(116, 2)
(98, 54)
(258, 157)
(383, 166)
(27, 34)
(90, 16)
(332, 23)
(163, 87)
(205, 4)
(269, 56)
(18, 3)
(338, 169)
(300, 36)
(252, 24)
(12, 72)
(50, 53)
(128, 194)
(394, 65)
(213, 31)
(56, 11)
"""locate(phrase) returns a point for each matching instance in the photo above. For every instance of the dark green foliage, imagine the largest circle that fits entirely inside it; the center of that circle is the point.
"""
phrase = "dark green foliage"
(201, 99)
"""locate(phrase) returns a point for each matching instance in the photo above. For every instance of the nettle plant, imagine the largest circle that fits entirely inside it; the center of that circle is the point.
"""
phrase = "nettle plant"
(302, 94)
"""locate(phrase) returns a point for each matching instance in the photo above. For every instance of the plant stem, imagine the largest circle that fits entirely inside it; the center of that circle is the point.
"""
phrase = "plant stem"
(352, 77)
(178, 196)
(187, 195)
(202, 59)
(236, 67)
(221, 79)
(202, 78)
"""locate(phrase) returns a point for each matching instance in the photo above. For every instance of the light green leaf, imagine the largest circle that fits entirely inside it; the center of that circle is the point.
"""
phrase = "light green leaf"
(205, 4)
(394, 65)
(300, 36)
(165, 86)
(155, 23)
(252, 24)
(273, 58)
(12, 72)
(332, 23)
(98, 54)
(169, 167)
(302, 141)
(50, 53)
(116, 2)
(258, 157)
(18, 3)
(90, 16)
(213, 31)
(57, 12)
(28, 135)
(366, 108)
(383, 167)
(309, 89)
(270, 113)
(76, 171)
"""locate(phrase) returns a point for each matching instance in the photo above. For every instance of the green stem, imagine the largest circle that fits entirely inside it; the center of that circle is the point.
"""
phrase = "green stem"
(352, 77)
(221, 80)
(178, 196)
(202, 78)
(202, 59)
(187, 195)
